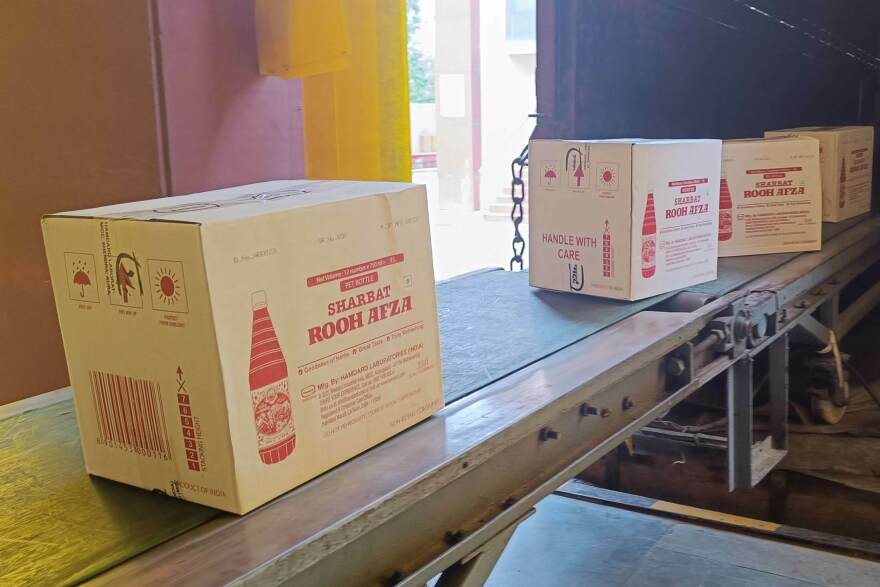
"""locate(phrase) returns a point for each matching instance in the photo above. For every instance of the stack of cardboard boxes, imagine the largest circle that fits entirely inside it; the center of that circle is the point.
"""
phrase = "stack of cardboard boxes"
(630, 219)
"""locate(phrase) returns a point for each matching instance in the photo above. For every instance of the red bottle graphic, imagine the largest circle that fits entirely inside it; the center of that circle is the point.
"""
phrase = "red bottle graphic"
(842, 199)
(649, 239)
(725, 212)
(606, 251)
(273, 411)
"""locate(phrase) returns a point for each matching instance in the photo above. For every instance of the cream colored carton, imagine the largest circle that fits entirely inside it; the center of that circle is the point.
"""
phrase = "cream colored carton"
(771, 196)
(846, 156)
(625, 218)
(227, 346)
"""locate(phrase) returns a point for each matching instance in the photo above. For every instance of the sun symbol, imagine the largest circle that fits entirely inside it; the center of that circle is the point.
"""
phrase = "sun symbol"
(167, 286)
(608, 176)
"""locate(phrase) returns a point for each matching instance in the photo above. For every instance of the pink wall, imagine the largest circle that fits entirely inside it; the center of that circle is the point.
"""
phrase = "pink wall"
(107, 102)
(224, 123)
(78, 128)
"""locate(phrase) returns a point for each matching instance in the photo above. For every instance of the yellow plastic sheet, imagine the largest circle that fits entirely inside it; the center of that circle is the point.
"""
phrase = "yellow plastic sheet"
(58, 526)
(357, 119)
(297, 38)
(352, 57)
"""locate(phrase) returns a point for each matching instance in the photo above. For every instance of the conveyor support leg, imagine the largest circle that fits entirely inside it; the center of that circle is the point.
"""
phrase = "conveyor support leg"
(474, 569)
(739, 424)
(779, 392)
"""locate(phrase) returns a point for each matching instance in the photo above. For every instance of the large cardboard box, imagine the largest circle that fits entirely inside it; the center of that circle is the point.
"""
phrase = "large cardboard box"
(771, 196)
(625, 219)
(846, 156)
(227, 346)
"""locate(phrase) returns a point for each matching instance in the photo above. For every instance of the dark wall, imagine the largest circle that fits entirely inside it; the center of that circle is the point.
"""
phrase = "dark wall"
(704, 68)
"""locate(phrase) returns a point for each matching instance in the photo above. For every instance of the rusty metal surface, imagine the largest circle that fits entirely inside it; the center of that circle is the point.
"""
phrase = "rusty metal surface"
(58, 525)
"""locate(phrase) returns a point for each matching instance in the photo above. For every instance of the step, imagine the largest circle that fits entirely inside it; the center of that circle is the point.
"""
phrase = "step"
(505, 189)
(503, 208)
(503, 201)
(496, 217)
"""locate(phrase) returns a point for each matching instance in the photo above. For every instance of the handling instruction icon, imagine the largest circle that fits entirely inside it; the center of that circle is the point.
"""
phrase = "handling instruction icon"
(82, 281)
(576, 166)
(128, 287)
(549, 175)
(167, 286)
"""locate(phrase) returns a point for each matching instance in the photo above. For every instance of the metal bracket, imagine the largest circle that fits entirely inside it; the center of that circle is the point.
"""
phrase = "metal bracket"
(730, 330)
(762, 309)
(829, 311)
(811, 331)
(680, 367)
(474, 569)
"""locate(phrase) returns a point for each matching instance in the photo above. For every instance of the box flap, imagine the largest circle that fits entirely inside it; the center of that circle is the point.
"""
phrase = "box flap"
(774, 139)
(240, 202)
(821, 128)
(630, 141)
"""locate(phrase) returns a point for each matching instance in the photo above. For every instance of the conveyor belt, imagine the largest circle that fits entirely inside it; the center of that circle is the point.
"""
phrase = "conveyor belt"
(60, 526)
(492, 323)
(66, 526)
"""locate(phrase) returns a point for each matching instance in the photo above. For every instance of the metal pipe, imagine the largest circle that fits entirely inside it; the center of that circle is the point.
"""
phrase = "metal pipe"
(707, 343)
(857, 310)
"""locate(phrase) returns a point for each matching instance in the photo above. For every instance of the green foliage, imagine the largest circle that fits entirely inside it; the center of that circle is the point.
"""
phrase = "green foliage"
(421, 67)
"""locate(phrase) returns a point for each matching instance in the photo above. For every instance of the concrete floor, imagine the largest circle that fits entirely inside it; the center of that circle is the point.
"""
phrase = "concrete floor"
(571, 542)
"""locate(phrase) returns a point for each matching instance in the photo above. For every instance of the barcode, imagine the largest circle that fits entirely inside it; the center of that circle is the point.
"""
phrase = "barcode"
(130, 414)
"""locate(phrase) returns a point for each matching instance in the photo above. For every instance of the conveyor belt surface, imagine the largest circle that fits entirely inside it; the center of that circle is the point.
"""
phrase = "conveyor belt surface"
(493, 323)
(58, 525)
(65, 526)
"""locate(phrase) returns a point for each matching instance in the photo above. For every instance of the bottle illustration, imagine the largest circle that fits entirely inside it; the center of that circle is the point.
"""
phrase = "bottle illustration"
(725, 212)
(270, 396)
(842, 198)
(649, 238)
(606, 251)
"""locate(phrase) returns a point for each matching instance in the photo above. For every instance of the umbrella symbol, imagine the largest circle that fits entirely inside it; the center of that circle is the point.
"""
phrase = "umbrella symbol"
(81, 278)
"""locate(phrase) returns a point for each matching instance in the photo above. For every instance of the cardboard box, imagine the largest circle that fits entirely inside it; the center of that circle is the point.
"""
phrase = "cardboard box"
(227, 346)
(771, 196)
(846, 156)
(624, 219)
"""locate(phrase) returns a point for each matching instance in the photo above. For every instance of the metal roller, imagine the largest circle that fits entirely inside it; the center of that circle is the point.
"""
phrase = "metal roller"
(685, 301)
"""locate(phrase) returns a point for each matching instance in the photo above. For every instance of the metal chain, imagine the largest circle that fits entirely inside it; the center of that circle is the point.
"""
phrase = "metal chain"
(518, 195)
